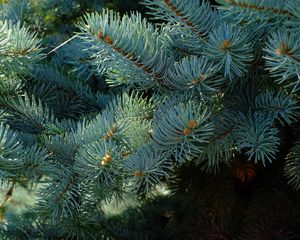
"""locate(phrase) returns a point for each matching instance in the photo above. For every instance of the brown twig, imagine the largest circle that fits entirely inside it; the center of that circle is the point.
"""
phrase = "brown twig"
(8, 195)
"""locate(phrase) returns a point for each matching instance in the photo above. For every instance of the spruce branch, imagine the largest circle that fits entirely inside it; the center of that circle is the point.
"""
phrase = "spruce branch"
(231, 48)
(283, 58)
(27, 114)
(197, 105)
(180, 14)
(59, 198)
(221, 145)
(19, 47)
(182, 130)
(147, 168)
(292, 167)
(200, 22)
(194, 74)
(279, 106)
(123, 36)
(257, 137)
(258, 6)
(10, 150)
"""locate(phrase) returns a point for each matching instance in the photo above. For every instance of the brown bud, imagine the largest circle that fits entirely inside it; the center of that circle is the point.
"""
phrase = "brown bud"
(100, 35)
(192, 123)
(186, 131)
(282, 49)
(226, 44)
(108, 40)
(106, 159)
(279, 51)
(139, 173)
(112, 131)
(190, 24)
(125, 153)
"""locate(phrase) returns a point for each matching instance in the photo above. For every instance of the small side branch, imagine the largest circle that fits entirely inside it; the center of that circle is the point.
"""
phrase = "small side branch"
(69, 185)
(184, 18)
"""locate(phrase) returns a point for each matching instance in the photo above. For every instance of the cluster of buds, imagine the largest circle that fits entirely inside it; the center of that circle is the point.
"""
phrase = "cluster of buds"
(106, 159)
(191, 124)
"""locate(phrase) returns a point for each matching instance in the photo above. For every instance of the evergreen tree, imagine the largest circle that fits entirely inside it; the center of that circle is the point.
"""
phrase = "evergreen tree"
(191, 122)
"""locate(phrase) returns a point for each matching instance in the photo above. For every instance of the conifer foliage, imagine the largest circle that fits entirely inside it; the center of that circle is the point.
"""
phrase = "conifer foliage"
(192, 116)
